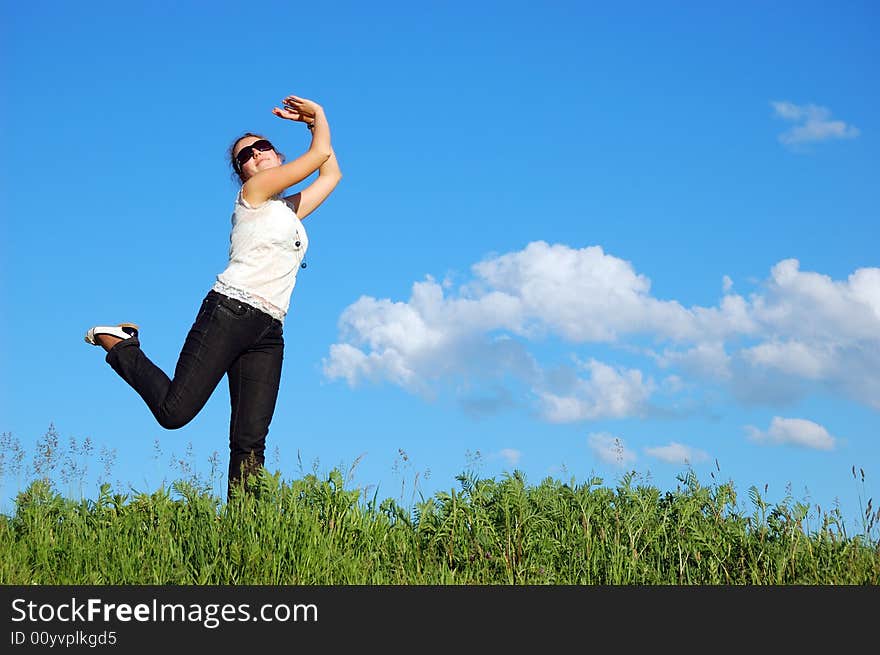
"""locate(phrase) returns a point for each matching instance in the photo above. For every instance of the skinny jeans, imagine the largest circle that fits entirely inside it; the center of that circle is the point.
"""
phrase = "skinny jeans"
(228, 337)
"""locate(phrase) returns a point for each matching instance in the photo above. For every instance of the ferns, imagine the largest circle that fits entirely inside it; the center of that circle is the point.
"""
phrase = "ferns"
(315, 531)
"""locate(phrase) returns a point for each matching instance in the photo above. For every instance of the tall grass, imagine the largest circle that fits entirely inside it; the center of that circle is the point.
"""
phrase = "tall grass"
(314, 530)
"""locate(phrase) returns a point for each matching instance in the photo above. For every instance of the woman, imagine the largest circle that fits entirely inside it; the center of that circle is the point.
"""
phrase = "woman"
(238, 330)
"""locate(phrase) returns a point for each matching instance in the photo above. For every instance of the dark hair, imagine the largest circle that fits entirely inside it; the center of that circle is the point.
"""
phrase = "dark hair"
(236, 172)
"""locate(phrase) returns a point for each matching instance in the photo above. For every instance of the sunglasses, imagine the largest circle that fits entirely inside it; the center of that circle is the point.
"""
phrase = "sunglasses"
(244, 155)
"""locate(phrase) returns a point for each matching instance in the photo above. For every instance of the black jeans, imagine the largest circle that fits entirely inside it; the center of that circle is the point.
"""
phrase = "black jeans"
(228, 336)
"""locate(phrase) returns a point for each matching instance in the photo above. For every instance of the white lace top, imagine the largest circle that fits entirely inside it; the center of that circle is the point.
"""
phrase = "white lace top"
(267, 245)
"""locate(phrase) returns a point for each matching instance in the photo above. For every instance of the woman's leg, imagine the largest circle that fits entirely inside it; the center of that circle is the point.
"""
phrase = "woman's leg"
(214, 341)
(254, 378)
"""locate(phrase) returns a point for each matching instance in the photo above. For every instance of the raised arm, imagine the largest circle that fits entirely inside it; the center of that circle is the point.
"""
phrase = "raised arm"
(307, 200)
(267, 183)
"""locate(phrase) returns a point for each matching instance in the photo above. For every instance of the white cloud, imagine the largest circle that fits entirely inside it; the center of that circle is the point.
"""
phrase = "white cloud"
(707, 359)
(676, 453)
(799, 331)
(811, 304)
(793, 357)
(610, 449)
(510, 456)
(794, 431)
(586, 295)
(814, 124)
(607, 393)
(821, 330)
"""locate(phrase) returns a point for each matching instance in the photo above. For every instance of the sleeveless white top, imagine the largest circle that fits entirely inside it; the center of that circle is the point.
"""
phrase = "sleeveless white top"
(266, 248)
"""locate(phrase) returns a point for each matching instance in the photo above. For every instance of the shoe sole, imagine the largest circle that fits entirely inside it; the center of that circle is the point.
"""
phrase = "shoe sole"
(90, 336)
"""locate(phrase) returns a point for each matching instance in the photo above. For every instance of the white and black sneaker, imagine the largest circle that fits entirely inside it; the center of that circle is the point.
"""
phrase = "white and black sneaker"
(121, 331)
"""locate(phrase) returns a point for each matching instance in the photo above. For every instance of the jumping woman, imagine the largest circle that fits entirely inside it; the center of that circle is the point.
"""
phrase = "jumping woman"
(238, 329)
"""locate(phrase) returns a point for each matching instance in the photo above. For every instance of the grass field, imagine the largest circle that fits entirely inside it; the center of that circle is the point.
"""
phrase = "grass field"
(314, 530)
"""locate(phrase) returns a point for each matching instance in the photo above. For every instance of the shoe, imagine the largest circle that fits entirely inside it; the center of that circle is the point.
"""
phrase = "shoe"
(122, 331)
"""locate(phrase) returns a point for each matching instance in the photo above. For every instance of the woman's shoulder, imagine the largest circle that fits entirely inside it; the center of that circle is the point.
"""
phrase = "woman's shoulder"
(241, 201)
(277, 203)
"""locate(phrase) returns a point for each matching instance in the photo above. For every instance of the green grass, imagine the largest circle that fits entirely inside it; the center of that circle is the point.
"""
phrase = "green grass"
(313, 530)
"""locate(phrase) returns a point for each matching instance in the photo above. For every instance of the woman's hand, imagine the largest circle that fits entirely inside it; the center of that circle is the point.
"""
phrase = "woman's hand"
(299, 109)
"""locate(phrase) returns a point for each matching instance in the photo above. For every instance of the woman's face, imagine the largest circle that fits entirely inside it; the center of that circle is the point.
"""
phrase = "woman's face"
(259, 160)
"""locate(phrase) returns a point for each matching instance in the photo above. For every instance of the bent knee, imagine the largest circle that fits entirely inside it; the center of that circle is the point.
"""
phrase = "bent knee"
(173, 421)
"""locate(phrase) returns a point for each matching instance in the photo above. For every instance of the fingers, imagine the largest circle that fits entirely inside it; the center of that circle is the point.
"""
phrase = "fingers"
(297, 107)
(287, 113)
(303, 109)
(299, 103)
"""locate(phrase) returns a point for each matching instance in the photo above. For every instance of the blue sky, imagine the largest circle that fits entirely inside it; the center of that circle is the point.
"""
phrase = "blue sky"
(573, 240)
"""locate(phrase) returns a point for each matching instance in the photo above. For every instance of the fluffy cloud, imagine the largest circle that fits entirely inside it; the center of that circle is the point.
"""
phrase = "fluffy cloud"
(794, 431)
(586, 295)
(676, 453)
(800, 331)
(707, 360)
(607, 393)
(510, 456)
(819, 330)
(813, 124)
